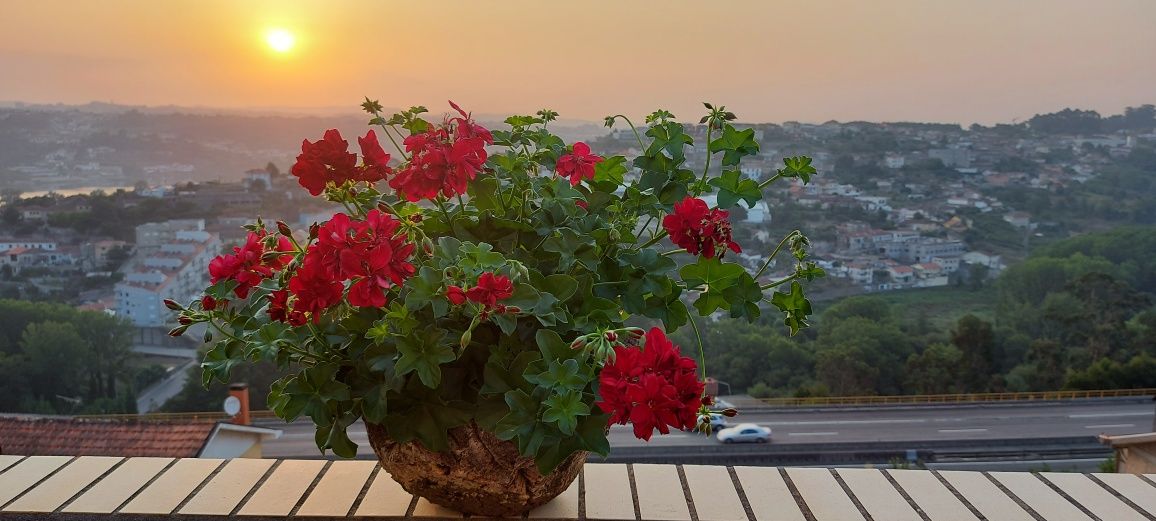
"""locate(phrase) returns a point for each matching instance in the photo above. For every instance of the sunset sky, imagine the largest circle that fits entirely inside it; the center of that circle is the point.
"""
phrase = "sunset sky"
(883, 60)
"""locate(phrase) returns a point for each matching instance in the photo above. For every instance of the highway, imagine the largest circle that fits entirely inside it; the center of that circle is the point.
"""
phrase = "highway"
(855, 425)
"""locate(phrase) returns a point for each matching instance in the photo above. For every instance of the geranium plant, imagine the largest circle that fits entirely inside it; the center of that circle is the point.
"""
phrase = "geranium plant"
(499, 277)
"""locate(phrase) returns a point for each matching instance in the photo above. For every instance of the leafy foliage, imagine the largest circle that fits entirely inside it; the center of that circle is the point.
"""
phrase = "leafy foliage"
(581, 254)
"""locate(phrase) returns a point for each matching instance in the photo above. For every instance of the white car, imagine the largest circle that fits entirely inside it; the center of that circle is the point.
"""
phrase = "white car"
(745, 433)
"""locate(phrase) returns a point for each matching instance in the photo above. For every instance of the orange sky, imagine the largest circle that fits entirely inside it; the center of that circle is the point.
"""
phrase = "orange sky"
(768, 60)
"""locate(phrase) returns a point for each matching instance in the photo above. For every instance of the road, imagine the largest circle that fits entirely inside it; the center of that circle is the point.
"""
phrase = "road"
(157, 394)
(867, 424)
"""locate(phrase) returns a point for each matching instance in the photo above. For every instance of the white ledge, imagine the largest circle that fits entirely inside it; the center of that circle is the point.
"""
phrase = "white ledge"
(90, 487)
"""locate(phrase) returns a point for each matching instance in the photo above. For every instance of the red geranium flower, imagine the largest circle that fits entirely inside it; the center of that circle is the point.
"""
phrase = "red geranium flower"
(443, 159)
(329, 160)
(652, 388)
(315, 292)
(375, 254)
(578, 164)
(699, 229)
(279, 309)
(247, 264)
(490, 289)
(456, 295)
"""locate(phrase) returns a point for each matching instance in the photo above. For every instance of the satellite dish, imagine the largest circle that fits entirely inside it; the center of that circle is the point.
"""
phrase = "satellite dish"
(232, 406)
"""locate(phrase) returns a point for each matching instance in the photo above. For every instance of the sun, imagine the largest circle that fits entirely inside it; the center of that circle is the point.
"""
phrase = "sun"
(280, 40)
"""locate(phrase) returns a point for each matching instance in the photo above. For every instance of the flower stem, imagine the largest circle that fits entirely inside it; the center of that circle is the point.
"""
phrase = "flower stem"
(768, 182)
(709, 155)
(633, 129)
(778, 283)
(654, 240)
(701, 355)
(673, 252)
(776, 252)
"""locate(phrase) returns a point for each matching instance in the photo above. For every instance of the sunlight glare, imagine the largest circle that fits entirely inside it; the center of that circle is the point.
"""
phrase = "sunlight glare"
(279, 40)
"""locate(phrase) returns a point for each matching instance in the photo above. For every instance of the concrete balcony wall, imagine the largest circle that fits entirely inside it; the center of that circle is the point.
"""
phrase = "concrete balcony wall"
(60, 487)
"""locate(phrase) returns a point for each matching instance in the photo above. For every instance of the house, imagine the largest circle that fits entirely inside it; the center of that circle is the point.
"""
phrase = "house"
(1135, 453)
(860, 273)
(29, 435)
(901, 274)
(1018, 219)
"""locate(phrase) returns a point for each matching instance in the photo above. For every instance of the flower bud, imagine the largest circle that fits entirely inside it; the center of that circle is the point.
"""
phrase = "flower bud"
(178, 331)
(466, 338)
(381, 206)
(172, 304)
(513, 309)
(611, 336)
(284, 229)
(578, 343)
(313, 229)
(209, 303)
(184, 321)
(730, 413)
(427, 246)
(708, 400)
(415, 218)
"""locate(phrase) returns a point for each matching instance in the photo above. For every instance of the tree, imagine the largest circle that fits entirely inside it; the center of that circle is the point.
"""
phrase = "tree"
(845, 372)
(55, 355)
(934, 371)
(973, 336)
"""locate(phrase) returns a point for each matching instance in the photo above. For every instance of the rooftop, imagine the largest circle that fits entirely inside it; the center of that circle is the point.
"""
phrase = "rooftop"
(52, 436)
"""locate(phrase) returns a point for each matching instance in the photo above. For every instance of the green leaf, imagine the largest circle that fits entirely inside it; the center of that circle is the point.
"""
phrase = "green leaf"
(312, 389)
(743, 298)
(373, 404)
(611, 170)
(795, 306)
(561, 376)
(335, 437)
(560, 285)
(424, 353)
(799, 166)
(717, 275)
(552, 347)
(734, 144)
(670, 138)
(732, 187)
(564, 410)
(426, 290)
(220, 360)
(571, 247)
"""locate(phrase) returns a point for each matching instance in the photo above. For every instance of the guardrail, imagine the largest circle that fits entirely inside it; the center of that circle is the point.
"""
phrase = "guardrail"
(957, 398)
(816, 400)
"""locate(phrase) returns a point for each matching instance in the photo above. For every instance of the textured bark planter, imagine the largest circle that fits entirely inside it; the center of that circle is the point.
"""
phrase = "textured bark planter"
(480, 475)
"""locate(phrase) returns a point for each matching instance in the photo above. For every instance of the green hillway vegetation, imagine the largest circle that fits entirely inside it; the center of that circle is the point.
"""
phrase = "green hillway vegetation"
(1077, 314)
(55, 359)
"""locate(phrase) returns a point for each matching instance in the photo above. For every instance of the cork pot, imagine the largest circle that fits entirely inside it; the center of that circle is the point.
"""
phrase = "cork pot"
(480, 474)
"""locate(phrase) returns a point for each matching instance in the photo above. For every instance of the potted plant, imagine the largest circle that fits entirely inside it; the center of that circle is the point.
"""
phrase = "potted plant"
(489, 302)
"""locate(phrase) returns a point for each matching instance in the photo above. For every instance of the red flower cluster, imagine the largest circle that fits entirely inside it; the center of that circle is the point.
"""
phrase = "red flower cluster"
(329, 159)
(247, 264)
(653, 388)
(373, 253)
(443, 159)
(489, 290)
(699, 229)
(578, 164)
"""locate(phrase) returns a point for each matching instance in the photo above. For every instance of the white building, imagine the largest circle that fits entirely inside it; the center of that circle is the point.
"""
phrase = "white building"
(30, 244)
(178, 268)
(761, 213)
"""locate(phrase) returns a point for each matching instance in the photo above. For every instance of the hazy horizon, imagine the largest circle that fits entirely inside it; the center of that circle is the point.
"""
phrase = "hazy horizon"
(960, 62)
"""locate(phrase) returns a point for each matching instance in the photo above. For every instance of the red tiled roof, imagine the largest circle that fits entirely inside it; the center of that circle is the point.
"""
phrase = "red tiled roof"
(64, 436)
